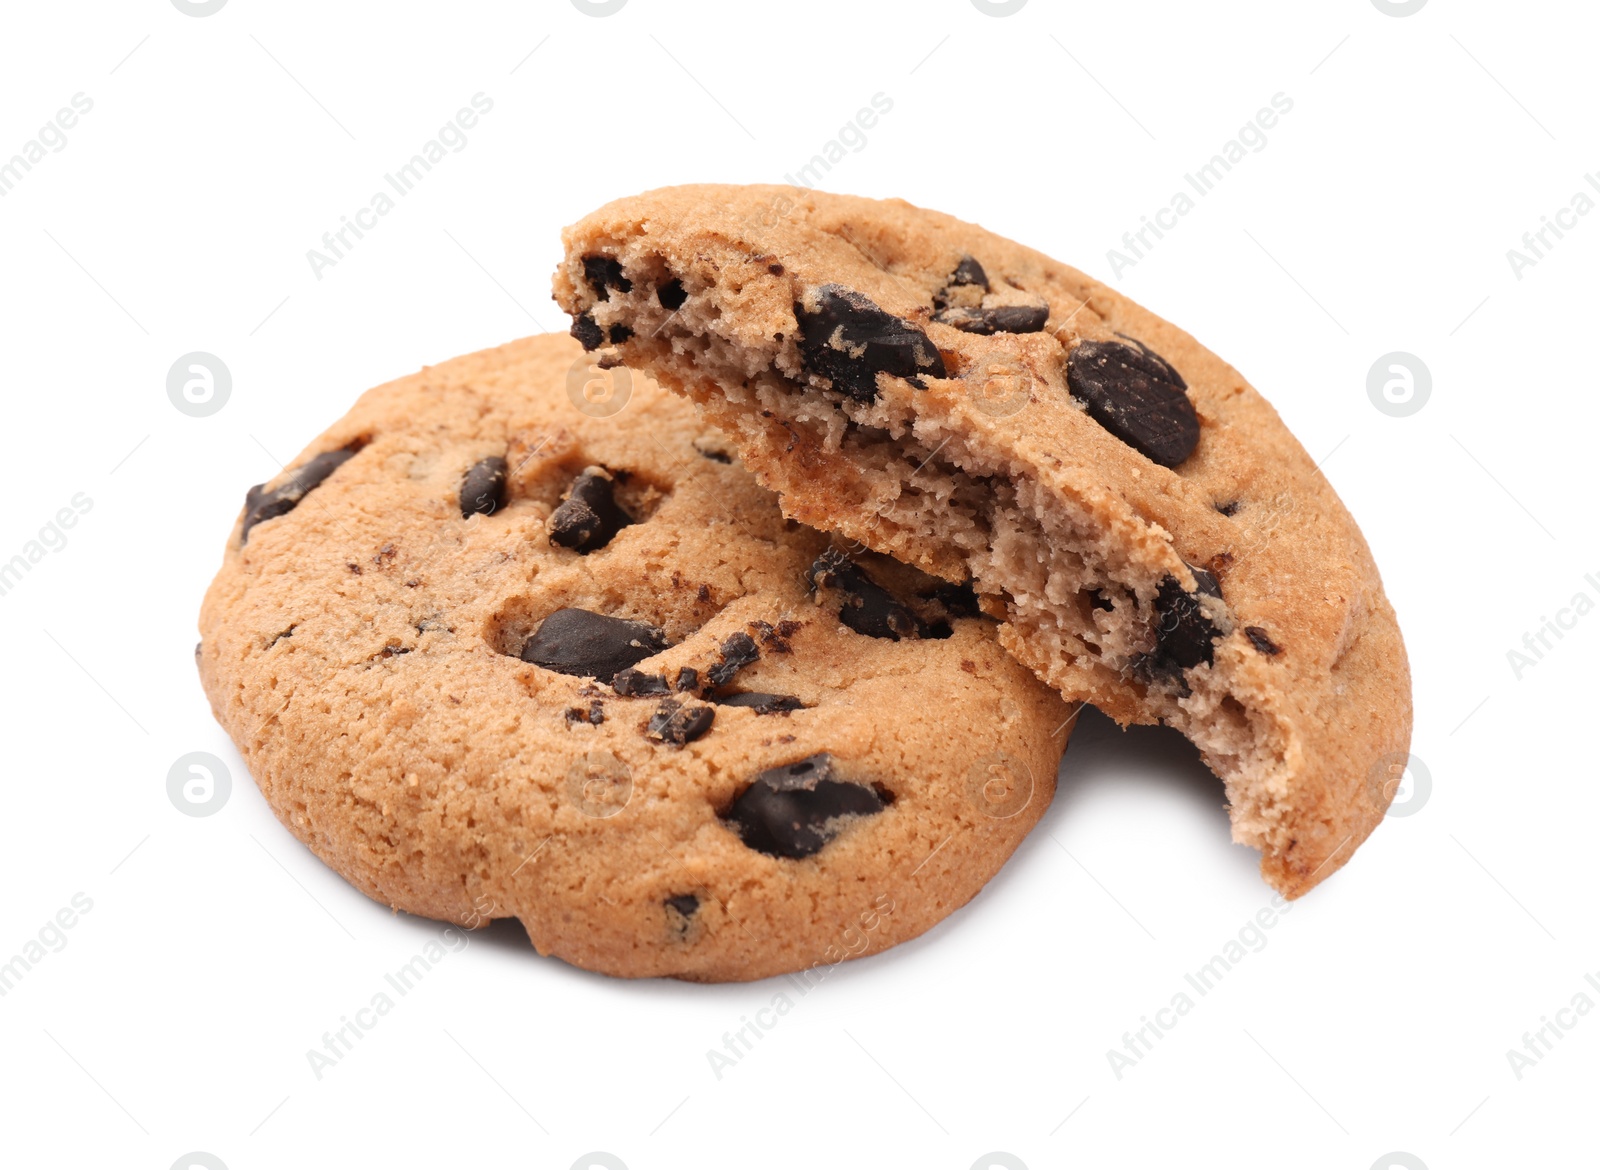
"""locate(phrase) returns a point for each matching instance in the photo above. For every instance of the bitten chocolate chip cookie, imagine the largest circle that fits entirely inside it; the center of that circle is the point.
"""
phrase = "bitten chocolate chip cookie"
(1158, 542)
(494, 648)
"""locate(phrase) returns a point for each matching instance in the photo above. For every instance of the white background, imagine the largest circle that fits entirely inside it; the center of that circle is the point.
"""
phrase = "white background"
(1378, 1014)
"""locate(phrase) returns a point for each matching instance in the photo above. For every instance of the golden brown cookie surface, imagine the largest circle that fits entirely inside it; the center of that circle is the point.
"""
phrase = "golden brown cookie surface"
(492, 651)
(1158, 542)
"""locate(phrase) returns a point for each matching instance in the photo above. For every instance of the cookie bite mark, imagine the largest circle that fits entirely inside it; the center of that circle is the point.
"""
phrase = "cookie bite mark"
(591, 645)
(483, 488)
(792, 811)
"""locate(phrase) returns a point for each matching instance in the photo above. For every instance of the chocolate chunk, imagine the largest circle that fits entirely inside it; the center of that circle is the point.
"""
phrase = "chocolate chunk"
(688, 681)
(759, 701)
(738, 652)
(260, 504)
(794, 810)
(849, 340)
(595, 715)
(776, 638)
(592, 645)
(483, 488)
(604, 273)
(1229, 509)
(635, 683)
(684, 904)
(589, 517)
(958, 600)
(1136, 396)
(869, 608)
(672, 295)
(1261, 641)
(587, 332)
(1184, 634)
(969, 271)
(676, 724)
(1000, 319)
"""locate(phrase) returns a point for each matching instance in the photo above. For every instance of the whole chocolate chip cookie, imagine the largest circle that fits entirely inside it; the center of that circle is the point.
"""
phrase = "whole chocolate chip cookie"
(492, 648)
(1157, 541)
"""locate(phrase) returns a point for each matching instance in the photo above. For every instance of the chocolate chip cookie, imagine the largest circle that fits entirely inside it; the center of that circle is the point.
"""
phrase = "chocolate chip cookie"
(1155, 538)
(516, 637)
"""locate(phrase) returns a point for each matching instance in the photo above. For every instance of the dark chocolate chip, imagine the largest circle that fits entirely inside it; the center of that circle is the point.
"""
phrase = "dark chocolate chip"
(672, 295)
(635, 683)
(1000, 319)
(1261, 641)
(684, 904)
(589, 517)
(958, 600)
(1184, 634)
(794, 810)
(483, 488)
(591, 645)
(604, 273)
(595, 715)
(1228, 509)
(869, 608)
(677, 724)
(969, 271)
(775, 269)
(759, 701)
(587, 332)
(260, 504)
(688, 681)
(738, 651)
(850, 340)
(1136, 396)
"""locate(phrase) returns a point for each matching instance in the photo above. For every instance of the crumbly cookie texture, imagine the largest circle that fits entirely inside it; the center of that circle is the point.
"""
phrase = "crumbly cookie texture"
(1158, 542)
(490, 652)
